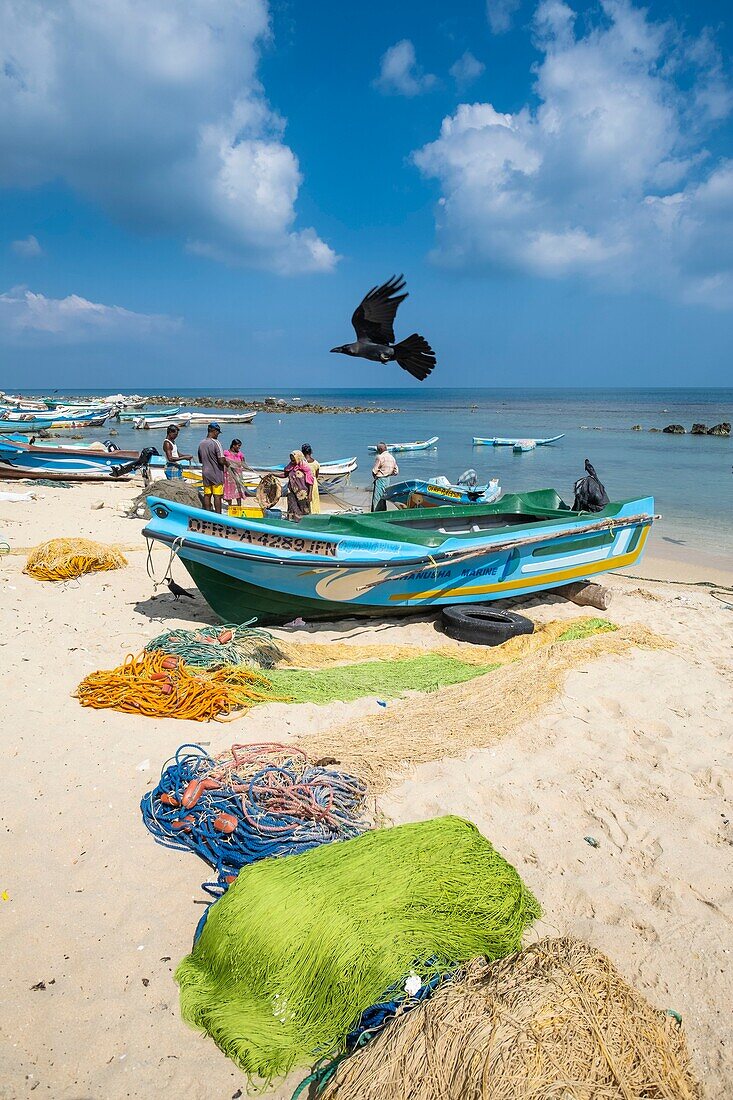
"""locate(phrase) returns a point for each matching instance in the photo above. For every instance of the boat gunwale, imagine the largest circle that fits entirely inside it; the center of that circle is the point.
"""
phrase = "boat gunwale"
(297, 558)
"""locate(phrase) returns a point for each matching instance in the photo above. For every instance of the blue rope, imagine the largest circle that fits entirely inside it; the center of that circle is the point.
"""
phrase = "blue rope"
(331, 808)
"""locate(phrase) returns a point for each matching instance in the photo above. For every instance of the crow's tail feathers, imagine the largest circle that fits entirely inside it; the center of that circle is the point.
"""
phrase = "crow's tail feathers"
(415, 356)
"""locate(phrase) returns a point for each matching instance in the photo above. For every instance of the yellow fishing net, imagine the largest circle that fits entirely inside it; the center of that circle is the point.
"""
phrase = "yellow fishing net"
(66, 559)
(470, 715)
(307, 654)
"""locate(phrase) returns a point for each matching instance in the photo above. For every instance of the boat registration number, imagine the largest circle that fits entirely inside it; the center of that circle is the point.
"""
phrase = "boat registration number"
(440, 490)
(263, 538)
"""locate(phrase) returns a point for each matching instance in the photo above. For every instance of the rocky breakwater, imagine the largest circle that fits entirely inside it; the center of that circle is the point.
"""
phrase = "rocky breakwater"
(722, 429)
(269, 404)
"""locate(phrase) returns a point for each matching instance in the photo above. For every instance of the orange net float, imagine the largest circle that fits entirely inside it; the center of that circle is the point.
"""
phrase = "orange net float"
(148, 684)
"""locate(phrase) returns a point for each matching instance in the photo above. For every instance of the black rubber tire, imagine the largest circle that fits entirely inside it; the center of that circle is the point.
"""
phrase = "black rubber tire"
(483, 624)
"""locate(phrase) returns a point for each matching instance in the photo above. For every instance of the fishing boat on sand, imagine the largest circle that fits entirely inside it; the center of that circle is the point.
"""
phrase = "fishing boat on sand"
(335, 566)
(421, 445)
(15, 447)
(515, 444)
(437, 493)
(13, 467)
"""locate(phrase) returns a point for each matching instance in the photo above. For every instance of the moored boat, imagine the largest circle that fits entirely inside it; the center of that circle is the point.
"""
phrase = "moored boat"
(435, 494)
(223, 418)
(420, 445)
(134, 414)
(180, 419)
(333, 566)
(24, 423)
(520, 444)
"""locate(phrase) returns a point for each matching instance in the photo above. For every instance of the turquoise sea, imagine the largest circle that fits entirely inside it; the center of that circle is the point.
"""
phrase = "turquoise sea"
(690, 476)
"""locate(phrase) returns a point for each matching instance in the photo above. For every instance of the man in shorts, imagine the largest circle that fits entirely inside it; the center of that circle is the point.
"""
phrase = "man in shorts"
(211, 457)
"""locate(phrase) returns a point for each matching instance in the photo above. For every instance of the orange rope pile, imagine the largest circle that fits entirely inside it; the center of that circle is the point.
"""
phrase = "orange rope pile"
(163, 686)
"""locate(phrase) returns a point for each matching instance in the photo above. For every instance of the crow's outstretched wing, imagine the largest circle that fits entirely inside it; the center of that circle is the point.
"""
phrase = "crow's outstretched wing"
(373, 318)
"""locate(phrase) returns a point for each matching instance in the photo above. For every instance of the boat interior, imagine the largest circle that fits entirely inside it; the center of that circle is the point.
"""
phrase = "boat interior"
(431, 526)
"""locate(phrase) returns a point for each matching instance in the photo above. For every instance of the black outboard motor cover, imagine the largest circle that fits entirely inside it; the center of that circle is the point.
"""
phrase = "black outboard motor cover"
(590, 495)
(142, 460)
(110, 446)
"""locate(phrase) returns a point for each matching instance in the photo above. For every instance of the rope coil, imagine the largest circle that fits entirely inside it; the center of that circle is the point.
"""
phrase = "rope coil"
(253, 802)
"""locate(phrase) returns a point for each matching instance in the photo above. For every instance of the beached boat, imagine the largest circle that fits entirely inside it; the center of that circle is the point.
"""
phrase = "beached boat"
(421, 445)
(517, 444)
(15, 447)
(62, 468)
(332, 474)
(336, 566)
(434, 494)
(180, 419)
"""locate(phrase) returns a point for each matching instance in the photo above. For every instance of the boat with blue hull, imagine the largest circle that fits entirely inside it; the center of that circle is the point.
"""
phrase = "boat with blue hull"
(338, 566)
(519, 444)
(419, 445)
(433, 494)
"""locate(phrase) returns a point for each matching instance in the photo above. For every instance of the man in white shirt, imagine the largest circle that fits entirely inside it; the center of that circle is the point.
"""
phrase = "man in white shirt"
(383, 469)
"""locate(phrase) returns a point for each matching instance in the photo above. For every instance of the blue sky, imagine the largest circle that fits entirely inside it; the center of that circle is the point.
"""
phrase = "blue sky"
(198, 192)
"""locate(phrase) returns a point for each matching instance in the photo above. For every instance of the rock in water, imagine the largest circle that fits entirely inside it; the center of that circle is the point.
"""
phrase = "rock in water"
(674, 429)
(720, 429)
(698, 429)
(636, 428)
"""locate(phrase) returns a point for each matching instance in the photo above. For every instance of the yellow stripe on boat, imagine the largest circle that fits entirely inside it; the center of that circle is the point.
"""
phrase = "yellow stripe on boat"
(526, 582)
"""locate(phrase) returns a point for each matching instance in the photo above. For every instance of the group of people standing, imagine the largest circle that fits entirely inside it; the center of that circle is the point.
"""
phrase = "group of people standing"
(221, 472)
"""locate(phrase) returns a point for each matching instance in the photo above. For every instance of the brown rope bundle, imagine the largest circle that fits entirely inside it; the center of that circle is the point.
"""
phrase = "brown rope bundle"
(66, 559)
(162, 686)
(554, 1021)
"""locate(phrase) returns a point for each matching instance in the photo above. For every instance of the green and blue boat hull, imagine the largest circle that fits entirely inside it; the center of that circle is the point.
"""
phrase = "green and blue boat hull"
(329, 567)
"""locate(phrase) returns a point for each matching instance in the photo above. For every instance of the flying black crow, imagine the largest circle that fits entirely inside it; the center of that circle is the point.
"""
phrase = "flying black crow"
(373, 322)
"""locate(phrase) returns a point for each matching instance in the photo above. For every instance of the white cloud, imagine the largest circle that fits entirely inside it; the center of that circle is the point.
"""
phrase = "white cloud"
(608, 176)
(153, 109)
(27, 248)
(24, 315)
(400, 74)
(500, 14)
(466, 69)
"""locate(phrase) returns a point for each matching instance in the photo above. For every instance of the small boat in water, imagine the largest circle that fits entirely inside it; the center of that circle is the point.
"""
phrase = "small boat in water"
(180, 419)
(438, 493)
(134, 414)
(516, 444)
(223, 418)
(25, 422)
(335, 566)
(421, 445)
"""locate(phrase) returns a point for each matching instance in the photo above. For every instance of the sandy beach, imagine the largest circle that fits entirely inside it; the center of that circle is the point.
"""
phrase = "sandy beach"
(635, 750)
